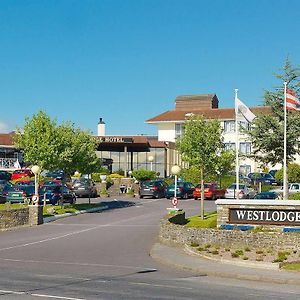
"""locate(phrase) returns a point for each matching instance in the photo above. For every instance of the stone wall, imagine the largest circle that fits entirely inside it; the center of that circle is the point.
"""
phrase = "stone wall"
(30, 215)
(180, 235)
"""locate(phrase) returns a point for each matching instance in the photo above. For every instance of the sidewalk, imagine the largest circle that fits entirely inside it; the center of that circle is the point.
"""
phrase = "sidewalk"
(178, 258)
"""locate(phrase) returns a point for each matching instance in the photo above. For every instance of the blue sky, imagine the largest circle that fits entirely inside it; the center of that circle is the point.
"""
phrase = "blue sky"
(127, 60)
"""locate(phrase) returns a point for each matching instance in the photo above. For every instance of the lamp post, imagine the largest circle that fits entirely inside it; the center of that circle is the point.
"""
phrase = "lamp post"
(36, 170)
(175, 170)
(130, 173)
(151, 159)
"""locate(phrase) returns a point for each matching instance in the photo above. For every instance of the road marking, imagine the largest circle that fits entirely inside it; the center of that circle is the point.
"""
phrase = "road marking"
(12, 292)
(74, 264)
(73, 233)
(56, 297)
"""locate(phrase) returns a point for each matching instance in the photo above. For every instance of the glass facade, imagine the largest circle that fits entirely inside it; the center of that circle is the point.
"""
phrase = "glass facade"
(137, 160)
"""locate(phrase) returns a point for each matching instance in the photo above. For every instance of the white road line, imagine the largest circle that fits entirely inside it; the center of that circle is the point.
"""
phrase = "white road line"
(76, 264)
(56, 297)
(12, 292)
(71, 233)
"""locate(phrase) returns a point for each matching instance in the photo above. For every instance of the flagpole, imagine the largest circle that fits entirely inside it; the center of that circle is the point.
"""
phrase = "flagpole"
(285, 179)
(237, 169)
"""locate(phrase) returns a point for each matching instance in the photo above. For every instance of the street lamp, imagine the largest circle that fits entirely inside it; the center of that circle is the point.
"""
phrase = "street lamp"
(175, 170)
(130, 173)
(151, 159)
(36, 170)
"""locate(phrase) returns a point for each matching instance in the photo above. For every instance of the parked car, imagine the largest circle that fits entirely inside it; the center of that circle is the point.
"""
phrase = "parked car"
(7, 187)
(211, 191)
(264, 178)
(152, 188)
(184, 190)
(57, 174)
(267, 195)
(21, 174)
(4, 175)
(53, 193)
(20, 193)
(84, 187)
(244, 192)
(292, 189)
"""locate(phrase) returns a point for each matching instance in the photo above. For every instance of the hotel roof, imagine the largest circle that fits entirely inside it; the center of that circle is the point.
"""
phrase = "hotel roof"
(210, 113)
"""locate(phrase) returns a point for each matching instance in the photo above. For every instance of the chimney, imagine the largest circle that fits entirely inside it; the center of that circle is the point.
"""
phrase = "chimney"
(101, 128)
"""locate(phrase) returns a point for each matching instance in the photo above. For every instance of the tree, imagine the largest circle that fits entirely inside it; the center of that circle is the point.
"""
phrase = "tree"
(202, 146)
(57, 147)
(266, 134)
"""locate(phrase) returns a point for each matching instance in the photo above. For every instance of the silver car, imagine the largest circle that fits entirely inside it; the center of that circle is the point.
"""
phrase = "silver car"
(244, 192)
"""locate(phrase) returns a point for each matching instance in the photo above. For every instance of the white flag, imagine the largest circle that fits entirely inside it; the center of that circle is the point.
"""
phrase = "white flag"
(242, 110)
(17, 164)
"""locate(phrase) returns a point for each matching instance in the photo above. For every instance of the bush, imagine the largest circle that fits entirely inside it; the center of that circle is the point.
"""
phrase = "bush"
(293, 171)
(115, 175)
(142, 174)
(295, 196)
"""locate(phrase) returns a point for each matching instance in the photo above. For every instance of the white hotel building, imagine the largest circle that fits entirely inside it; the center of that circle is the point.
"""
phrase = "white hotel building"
(170, 124)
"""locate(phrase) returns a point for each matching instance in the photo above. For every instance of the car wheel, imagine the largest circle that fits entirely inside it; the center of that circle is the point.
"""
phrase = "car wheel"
(141, 197)
(195, 198)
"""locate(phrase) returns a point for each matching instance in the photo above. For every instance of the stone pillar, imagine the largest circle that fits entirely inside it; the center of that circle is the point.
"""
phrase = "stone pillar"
(35, 215)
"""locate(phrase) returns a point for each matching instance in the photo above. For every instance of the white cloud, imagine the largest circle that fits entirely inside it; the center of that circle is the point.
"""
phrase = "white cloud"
(5, 127)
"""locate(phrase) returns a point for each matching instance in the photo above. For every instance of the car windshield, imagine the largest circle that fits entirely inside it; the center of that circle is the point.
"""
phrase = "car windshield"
(26, 188)
(50, 188)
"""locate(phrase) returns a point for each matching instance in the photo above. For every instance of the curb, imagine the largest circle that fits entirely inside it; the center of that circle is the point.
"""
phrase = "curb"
(57, 217)
(176, 257)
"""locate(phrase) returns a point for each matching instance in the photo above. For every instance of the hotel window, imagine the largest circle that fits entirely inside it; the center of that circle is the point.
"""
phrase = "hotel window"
(245, 169)
(179, 130)
(229, 146)
(229, 126)
(244, 125)
(245, 148)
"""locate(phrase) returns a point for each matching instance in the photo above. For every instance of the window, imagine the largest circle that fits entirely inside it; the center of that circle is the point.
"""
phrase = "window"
(229, 126)
(245, 148)
(179, 130)
(245, 169)
(229, 146)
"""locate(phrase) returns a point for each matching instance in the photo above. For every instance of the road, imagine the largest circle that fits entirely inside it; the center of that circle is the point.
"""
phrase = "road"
(105, 255)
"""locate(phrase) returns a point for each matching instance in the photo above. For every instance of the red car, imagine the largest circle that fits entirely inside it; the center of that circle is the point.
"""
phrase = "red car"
(21, 174)
(211, 191)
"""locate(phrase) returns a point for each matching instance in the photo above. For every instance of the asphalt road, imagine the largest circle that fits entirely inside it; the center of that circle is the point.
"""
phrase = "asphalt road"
(105, 255)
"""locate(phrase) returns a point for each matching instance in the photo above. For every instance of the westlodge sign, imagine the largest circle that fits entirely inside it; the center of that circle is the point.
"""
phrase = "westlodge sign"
(264, 216)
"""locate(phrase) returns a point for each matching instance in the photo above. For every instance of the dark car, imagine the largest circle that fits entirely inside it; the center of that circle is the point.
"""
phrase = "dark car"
(53, 193)
(8, 187)
(4, 175)
(184, 190)
(152, 188)
(264, 178)
(84, 187)
(267, 196)
(57, 174)
(20, 193)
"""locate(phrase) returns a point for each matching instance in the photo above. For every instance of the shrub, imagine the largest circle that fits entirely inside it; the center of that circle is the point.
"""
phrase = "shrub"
(247, 249)
(194, 244)
(142, 174)
(245, 257)
(239, 252)
(293, 171)
(295, 196)
(215, 252)
(115, 175)
(234, 255)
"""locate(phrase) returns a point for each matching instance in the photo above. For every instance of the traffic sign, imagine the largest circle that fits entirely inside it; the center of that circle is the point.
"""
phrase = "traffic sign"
(174, 201)
(35, 199)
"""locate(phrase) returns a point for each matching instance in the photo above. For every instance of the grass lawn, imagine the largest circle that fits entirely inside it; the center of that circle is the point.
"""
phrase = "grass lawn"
(51, 210)
(210, 221)
(292, 266)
